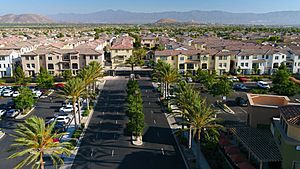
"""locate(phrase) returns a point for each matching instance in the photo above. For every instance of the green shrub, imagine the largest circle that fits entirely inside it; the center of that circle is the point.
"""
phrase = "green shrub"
(86, 112)
(259, 91)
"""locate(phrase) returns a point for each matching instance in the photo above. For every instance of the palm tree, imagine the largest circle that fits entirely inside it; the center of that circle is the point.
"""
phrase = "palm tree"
(97, 70)
(202, 120)
(72, 90)
(34, 139)
(132, 61)
(169, 76)
(157, 72)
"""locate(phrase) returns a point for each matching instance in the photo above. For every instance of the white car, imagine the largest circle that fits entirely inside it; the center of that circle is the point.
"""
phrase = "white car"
(189, 80)
(2, 112)
(36, 93)
(233, 79)
(15, 94)
(67, 109)
(263, 85)
(7, 93)
(64, 119)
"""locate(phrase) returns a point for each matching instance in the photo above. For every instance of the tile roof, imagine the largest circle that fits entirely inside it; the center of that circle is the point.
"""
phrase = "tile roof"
(123, 43)
(291, 114)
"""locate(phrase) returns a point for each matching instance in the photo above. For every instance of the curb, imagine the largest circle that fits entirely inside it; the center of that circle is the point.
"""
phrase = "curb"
(73, 156)
(23, 116)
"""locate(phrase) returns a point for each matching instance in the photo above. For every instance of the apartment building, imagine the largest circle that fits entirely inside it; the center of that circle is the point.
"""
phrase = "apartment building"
(58, 60)
(187, 60)
(121, 50)
(286, 131)
(7, 58)
(148, 41)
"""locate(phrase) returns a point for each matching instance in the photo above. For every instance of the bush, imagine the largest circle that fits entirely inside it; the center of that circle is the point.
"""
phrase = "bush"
(86, 112)
(77, 133)
(259, 91)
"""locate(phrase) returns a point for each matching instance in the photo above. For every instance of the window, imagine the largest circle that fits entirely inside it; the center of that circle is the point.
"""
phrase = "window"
(190, 58)
(204, 66)
(276, 65)
(254, 57)
(73, 57)
(0, 65)
(74, 66)
(40, 57)
(276, 57)
(224, 64)
(282, 56)
(28, 65)
(57, 57)
(33, 65)
(242, 57)
(267, 57)
(246, 64)
(220, 64)
(172, 58)
(91, 57)
(32, 57)
(182, 58)
(247, 57)
(27, 57)
(198, 57)
(50, 66)
(96, 57)
(242, 64)
(181, 66)
(299, 57)
(204, 58)
(220, 57)
(190, 66)
(4, 66)
(49, 58)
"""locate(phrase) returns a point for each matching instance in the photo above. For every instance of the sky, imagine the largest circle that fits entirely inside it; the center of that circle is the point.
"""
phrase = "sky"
(47, 7)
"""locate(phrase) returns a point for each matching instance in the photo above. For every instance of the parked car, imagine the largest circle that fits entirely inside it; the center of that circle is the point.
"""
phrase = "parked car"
(2, 112)
(240, 86)
(37, 93)
(67, 109)
(241, 102)
(7, 93)
(263, 85)
(233, 79)
(64, 119)
(63, 115)
(243, 79)
(13, 113)
(60, 126)
(15, 94)
(59, 85)
(189, 80)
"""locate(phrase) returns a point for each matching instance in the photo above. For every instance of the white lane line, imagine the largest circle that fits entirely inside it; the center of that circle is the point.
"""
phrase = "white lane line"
(116, 121)
(149, 103)
(154, 121)
(152, 111)
(162, 151)
(102, 113)
(92, 153)
(112, 152)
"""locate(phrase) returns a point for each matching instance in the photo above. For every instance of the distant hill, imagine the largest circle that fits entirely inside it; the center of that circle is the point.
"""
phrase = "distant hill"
(166, 21)
(220, 17)
(24, 18)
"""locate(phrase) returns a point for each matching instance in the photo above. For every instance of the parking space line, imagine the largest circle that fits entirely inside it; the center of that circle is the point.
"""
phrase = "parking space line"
(162, 151)
(154, 121)
(112, 152)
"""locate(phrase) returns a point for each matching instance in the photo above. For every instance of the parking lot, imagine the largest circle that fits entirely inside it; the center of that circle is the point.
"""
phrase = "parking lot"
(44, 108)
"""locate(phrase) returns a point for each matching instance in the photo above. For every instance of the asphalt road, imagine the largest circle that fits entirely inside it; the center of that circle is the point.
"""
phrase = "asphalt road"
(44, 108)
(105, 144)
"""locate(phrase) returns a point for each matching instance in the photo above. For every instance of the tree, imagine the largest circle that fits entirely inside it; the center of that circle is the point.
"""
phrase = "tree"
(67, 74)
(222, 87)
(282, 85)
(205, 78)
(25, 100)
(60, 35)
(72, 90)
(169, 75)
(44, 79)
(35, 139)
(19, 75)
(201, 121)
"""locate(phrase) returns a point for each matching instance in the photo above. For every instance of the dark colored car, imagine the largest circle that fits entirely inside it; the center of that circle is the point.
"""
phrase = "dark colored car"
(13, 113)
(241, 102)
(60, 126)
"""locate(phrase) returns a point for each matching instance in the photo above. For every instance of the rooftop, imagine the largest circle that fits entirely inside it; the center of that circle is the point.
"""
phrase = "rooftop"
(272, 101)
(291, 114)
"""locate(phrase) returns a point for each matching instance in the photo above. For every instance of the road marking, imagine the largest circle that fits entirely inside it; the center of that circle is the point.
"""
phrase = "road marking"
(243, 110)
(149, 103)
(162, 151)
(116, 121)
(102, 113)
(112, 152)
(92, 152)
(158, 99)
(117, 112)
(154, 121)
(152, 111)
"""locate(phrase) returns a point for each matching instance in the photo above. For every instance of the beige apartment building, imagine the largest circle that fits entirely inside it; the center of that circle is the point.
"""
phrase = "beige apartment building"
(191, 60)
(57, 61)
(121, 50)
(148, 41)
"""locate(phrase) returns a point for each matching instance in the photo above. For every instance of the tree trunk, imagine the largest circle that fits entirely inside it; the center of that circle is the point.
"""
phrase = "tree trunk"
(132, 69)
(79, 112)
(42, 161)
(87, 98)
(74, 112)
(198, 149)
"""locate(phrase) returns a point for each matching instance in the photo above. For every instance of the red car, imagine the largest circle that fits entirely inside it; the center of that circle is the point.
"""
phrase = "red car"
(59, 85)
(243, 79)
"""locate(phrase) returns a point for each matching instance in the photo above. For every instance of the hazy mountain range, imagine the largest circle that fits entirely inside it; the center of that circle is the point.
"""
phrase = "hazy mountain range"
(24, 18)
(120, 16)
(221, 17)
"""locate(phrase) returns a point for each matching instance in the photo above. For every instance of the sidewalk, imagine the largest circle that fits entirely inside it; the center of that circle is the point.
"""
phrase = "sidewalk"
(68, 161)
(188, 154)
